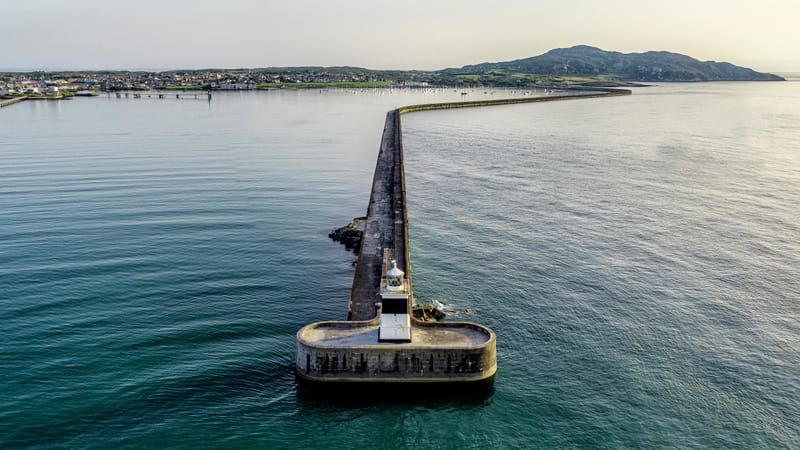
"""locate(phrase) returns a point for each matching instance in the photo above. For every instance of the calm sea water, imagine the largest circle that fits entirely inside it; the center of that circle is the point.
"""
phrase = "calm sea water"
(638, 258)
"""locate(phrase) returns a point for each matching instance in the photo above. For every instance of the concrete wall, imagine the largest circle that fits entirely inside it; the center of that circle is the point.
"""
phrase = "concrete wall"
(598, 92)
(11, 101)
(382, 363)
(386, 208)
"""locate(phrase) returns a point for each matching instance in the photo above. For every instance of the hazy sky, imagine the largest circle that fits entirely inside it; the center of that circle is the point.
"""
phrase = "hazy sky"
(398, 34)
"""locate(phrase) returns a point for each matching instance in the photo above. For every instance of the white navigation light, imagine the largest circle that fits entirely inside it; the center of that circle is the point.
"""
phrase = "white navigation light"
(395, 320)
(394, 278)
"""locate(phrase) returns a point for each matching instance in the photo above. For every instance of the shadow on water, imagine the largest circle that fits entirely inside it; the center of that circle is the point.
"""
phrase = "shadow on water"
(359, 395)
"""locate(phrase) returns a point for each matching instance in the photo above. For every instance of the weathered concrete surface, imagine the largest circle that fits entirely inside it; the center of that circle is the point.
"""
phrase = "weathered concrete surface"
(584, 93)
(350, 352)
(386, 224)
(330, 335)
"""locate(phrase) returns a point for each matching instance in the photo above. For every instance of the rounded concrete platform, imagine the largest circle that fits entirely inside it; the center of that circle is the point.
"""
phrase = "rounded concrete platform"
(438, 352)
(332, 334)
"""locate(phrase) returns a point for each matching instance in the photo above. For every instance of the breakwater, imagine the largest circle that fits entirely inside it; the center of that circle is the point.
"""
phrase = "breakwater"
(386, 224)
(11, 101)
(351, 351)
(582, 94)
(387, 215)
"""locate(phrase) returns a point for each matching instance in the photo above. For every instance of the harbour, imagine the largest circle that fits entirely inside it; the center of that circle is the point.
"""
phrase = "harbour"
(635, 256)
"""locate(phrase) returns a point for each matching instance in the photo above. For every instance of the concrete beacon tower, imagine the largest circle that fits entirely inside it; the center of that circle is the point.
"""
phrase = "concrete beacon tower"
(395, 279)
(395, 317)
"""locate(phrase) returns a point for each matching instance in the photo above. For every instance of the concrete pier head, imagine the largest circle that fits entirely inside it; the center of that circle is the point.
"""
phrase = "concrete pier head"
(350, 351)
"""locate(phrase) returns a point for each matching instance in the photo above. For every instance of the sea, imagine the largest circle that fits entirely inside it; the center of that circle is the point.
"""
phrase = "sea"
(638, 258)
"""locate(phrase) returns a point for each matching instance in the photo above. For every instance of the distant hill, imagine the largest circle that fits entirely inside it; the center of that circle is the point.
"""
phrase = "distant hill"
(575, 66)
(586, 61)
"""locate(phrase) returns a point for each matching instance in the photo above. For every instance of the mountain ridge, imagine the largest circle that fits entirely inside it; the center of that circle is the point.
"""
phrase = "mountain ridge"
(650, 66)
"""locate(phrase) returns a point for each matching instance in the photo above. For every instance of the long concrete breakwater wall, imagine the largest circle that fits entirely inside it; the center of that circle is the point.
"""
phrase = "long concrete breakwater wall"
(387, 215)
(350, 351)
(11, 101)
(512, 101)
(386, 223)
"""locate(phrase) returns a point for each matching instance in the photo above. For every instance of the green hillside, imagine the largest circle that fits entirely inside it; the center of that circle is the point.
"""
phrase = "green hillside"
(600, 65)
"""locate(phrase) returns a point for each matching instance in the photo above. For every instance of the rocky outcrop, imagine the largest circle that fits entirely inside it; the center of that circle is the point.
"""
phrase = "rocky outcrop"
(427, 313)
(350, 235)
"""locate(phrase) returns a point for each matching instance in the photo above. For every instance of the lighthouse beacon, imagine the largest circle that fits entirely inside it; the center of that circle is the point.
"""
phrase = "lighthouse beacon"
(395, 320)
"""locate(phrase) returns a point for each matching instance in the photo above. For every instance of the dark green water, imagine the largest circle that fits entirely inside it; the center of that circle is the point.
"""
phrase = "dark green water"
(638, 258)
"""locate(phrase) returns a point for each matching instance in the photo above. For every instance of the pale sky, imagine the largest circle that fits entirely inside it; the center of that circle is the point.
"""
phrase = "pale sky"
(399, 34)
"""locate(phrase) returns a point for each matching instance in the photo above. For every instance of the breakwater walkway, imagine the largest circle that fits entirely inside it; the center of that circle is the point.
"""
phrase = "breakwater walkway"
(351, 351)
(11, 101)
(386, 224)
